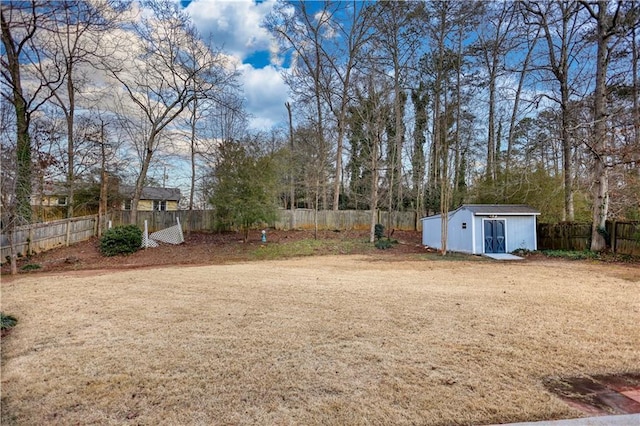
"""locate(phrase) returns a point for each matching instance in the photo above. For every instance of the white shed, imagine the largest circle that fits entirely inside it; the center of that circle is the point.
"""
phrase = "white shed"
(484, 228)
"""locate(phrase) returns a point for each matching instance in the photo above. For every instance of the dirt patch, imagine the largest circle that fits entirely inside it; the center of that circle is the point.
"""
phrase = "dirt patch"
(600, 394)
(205, 249)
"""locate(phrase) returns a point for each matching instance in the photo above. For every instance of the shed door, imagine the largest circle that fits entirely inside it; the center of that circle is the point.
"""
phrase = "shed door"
(494, 241)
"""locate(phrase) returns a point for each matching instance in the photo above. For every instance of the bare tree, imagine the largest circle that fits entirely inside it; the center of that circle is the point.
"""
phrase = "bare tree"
(302, 32)
(529, 42)
(607, 26)
(8, 175)
(292, 181)
(20, 24)
(495, 40)
(165, 75)
(560, 23)
(71, 44)
(399, 31)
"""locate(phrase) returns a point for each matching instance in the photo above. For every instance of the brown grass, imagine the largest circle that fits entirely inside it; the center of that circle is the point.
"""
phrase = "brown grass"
(330, 340)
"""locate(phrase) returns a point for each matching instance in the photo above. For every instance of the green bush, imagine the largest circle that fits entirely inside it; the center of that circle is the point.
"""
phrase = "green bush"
(385, 243)
(121, 240)
(31, 267)
(378, 231)
(571, 254)
(7, 321)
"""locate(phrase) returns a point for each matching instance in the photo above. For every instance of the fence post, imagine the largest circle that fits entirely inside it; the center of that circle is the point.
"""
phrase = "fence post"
(614, 236)
(29, 240)
(68, 237)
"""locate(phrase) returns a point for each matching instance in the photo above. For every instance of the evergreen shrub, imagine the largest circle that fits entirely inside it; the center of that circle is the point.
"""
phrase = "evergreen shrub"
(121, 240)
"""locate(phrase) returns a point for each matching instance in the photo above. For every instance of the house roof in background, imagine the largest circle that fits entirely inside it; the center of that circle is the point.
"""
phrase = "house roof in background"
(153, 193)
(503, 209)
(148, 192)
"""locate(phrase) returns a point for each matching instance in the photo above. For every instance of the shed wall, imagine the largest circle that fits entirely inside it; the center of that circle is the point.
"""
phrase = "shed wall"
(459, 238)
(431, 231)
(520, 233)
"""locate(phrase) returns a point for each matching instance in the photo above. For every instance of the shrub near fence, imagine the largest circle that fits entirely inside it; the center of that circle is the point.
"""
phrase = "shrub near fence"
(623, 237)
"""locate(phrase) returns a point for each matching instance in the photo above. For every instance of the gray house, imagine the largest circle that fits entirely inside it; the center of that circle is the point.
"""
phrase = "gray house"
(484, 228)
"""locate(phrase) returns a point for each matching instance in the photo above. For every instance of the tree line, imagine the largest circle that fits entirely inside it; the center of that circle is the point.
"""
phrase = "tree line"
(413, 105)
(425, 105)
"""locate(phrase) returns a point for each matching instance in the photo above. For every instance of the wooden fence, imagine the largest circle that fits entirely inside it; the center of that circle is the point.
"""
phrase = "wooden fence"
(622, 237)
(344, 219)
(204, 220)
(44, 236)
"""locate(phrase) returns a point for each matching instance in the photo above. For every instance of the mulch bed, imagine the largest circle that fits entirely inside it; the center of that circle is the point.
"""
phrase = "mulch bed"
(199, 248)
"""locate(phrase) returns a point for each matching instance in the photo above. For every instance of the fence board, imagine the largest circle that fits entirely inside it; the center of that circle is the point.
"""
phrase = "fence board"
(204, 220)
(47, 235)
(625, 236)
(39, 237)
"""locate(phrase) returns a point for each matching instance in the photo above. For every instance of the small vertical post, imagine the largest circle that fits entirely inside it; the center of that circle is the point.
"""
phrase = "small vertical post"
(68, 232)
(614, 236)
(145, 239)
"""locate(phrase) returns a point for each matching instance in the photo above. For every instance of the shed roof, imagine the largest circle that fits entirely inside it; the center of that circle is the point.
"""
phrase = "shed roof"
(508, 209)
(494, 209)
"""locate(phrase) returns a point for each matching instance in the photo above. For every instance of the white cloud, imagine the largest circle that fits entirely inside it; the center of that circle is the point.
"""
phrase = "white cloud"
(266, 94)
(234, 25)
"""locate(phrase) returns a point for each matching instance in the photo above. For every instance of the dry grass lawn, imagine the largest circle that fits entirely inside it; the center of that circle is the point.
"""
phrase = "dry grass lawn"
(320, 340)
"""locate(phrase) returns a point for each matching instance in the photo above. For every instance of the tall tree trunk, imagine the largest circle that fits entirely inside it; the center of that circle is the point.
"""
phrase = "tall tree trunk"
(636, 89)
(292, 180)
(104, 182)
(374, 186)
(23, 140)
(70, 116)
(142, 177)
(566, 155)
(420, 101)
(600, 175)
(516, 105)
(192, 140)
(491, 133)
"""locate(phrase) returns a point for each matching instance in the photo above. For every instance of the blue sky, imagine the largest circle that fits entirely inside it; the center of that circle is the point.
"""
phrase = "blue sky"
(235, 25)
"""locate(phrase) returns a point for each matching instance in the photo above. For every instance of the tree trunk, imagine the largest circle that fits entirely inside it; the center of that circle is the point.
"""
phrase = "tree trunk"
(104, 184)
(338, 179)
(566, 155)
(374, 190)
(601, 183)
(13, 251)
(70, 116)
(636, 91)
(193, 157)
(516, 105)
(491, 137)
(142, 178)
(23, 140)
